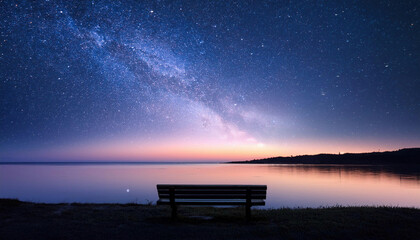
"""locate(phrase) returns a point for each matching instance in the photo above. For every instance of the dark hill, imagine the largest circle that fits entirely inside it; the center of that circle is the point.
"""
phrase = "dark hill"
(402, 156)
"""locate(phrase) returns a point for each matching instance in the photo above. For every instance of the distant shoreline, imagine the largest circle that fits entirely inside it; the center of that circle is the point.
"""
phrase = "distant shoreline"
(402, 156)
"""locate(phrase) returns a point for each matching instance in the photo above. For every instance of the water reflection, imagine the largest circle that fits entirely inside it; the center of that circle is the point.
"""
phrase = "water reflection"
(288, 185)
(407, 174)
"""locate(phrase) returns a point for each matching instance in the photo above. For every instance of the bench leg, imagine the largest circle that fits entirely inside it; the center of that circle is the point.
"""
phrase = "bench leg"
(248, 204)
(174, 212)
(248, 212)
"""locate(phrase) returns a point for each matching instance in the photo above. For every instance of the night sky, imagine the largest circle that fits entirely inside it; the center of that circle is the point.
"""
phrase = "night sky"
(207, 80)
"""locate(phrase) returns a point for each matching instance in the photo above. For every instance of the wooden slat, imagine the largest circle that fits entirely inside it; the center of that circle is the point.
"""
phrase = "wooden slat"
(181, 186)
(211, 191)
(211, 202)
(178, 195)
(214, 196)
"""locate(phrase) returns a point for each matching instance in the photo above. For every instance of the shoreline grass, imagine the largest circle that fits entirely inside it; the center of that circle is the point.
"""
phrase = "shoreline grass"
(26, 220)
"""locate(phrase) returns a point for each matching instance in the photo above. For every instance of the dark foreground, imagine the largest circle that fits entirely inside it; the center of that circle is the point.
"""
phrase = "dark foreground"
(22, 220)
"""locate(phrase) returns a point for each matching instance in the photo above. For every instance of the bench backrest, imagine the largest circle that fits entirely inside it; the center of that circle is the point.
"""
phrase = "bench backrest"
(240, 192)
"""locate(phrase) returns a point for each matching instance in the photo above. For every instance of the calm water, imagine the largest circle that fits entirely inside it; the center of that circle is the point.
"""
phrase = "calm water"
(288, 185)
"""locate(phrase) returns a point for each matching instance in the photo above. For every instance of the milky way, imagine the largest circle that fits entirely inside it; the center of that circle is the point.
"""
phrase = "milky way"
(263, 74)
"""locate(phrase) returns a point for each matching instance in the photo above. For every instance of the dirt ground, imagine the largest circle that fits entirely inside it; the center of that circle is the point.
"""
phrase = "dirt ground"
(22, 220)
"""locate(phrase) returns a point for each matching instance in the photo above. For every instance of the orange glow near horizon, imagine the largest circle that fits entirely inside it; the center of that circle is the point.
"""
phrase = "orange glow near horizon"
(187, 150)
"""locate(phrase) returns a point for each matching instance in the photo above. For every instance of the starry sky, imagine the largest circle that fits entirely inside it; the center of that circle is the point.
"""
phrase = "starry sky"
(207, 80)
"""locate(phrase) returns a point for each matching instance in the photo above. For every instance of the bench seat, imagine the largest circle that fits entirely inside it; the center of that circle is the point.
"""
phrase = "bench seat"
(209, 195)
(210, 202)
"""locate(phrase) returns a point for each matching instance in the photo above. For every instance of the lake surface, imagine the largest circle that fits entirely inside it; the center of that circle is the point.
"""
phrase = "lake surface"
(288, 185)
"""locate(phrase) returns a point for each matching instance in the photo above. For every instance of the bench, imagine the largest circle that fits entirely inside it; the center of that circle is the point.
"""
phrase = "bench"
(209, 195)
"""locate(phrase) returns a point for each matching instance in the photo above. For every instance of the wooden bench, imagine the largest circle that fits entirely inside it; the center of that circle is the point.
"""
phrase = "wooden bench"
(209, 195)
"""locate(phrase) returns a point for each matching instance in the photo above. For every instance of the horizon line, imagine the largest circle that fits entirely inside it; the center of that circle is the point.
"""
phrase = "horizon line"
(108, 162)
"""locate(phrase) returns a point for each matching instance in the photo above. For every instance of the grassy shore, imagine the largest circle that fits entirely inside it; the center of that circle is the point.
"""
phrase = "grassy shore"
(24, 220)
